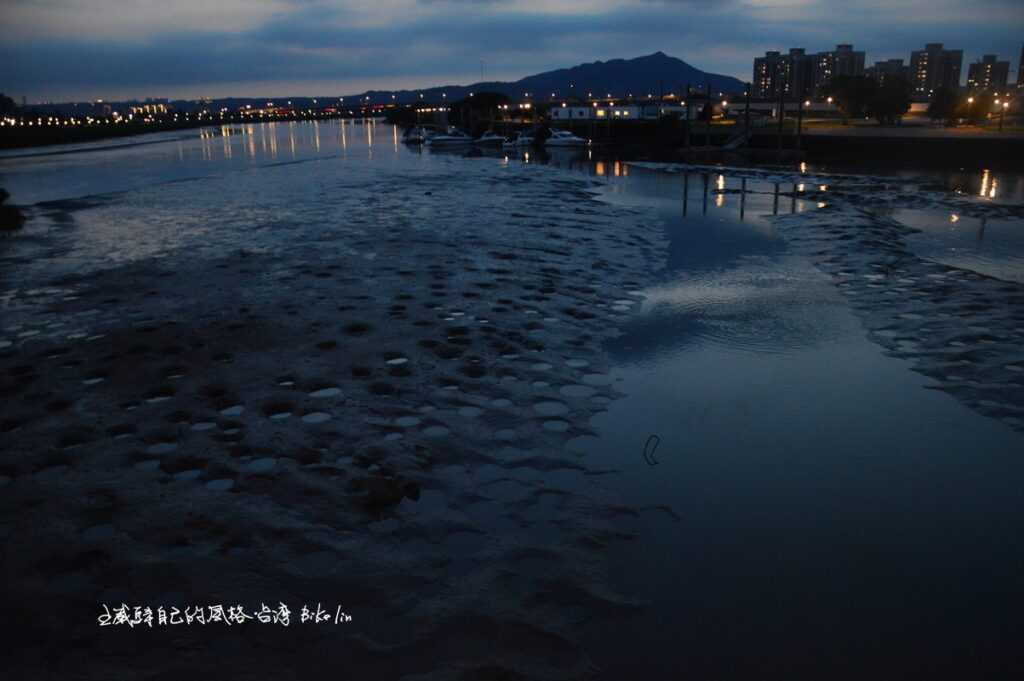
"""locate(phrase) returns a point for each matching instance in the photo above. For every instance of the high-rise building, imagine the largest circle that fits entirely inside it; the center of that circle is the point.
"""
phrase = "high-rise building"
(988, 74)
(766, 75)
(787, 74)
(934, 67)
(842, 61)
(797, 75)
(1020, 70)
(882, 71)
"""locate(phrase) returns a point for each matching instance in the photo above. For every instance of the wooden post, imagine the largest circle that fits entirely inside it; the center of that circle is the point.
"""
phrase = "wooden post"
(743, 198)
(686, 191)
(799, 121)
(746, 115)
(707, 115)
(686, 123)
(782, 115)
(705, 209)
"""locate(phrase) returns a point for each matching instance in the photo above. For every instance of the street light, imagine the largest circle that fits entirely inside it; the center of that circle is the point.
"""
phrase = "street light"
(1006, 106)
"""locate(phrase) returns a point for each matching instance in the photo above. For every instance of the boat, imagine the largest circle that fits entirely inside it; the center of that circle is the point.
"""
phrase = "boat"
(453, 137)
(522, 139)
(564, 138)
(416, 135)
(490, 138)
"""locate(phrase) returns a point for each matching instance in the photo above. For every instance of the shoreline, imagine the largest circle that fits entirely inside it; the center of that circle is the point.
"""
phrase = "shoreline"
(942, 147)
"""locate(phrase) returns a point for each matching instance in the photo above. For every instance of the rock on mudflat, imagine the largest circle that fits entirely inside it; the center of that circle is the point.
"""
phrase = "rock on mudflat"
(326, 392)
(221, 485)
(377, 491)
(264, 465)
(11, 217)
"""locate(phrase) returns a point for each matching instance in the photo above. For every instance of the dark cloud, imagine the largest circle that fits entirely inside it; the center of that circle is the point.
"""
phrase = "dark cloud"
(312, 42)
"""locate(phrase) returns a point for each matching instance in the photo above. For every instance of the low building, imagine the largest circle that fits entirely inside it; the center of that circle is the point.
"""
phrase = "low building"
(571, 112)
(626, 110)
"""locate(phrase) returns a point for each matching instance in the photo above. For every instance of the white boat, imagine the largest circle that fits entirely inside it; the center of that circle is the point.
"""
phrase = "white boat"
(564, 138)
(452, 138)
(490, 138)
(522, 139)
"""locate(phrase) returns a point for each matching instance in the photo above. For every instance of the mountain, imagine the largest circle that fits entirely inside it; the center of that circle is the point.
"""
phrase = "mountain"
(651, 74)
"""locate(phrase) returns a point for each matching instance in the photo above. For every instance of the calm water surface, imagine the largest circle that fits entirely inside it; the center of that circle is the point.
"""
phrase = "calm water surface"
(832, 510)
(828, 509)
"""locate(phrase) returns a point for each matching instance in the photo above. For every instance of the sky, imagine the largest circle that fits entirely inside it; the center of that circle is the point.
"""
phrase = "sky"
(61, 50)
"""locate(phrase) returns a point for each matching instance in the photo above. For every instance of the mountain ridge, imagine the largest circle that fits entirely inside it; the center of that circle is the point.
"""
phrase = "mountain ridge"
(654, 74)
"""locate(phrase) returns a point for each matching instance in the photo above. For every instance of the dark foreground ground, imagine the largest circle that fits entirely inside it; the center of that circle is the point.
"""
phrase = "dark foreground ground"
(367, 416)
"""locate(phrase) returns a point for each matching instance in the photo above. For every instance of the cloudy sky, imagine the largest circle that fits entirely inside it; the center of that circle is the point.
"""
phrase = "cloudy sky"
(54, 50)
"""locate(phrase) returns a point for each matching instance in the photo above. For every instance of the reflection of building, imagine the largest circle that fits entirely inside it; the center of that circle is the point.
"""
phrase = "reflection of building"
(889, 69)
(933, 68)
(988, 73)
(149, 109)
(797, 75)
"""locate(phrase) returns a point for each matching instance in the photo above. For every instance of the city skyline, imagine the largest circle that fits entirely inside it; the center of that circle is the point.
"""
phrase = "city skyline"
(91, 49)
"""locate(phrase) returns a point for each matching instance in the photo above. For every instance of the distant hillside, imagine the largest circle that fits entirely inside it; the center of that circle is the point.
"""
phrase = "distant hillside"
(650, 74)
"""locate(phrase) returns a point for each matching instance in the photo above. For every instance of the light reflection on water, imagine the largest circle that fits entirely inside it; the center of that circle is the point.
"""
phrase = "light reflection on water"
(809, 473)
(987, 246)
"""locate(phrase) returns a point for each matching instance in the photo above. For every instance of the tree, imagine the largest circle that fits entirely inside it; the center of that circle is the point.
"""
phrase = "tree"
(890, 101)
(477, 112)
(7, 105)
(944, 105)
(706, 112)
(978, 110)
(852, 94)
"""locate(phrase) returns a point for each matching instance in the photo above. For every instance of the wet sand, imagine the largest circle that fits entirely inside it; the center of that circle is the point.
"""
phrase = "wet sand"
(371, 416)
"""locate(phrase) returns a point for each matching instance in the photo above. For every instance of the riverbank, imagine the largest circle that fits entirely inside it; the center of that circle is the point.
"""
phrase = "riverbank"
(24, 137)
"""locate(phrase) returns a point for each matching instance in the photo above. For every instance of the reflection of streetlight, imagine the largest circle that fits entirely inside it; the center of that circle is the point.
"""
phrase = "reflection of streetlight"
(970, 101)
(1002, 112)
